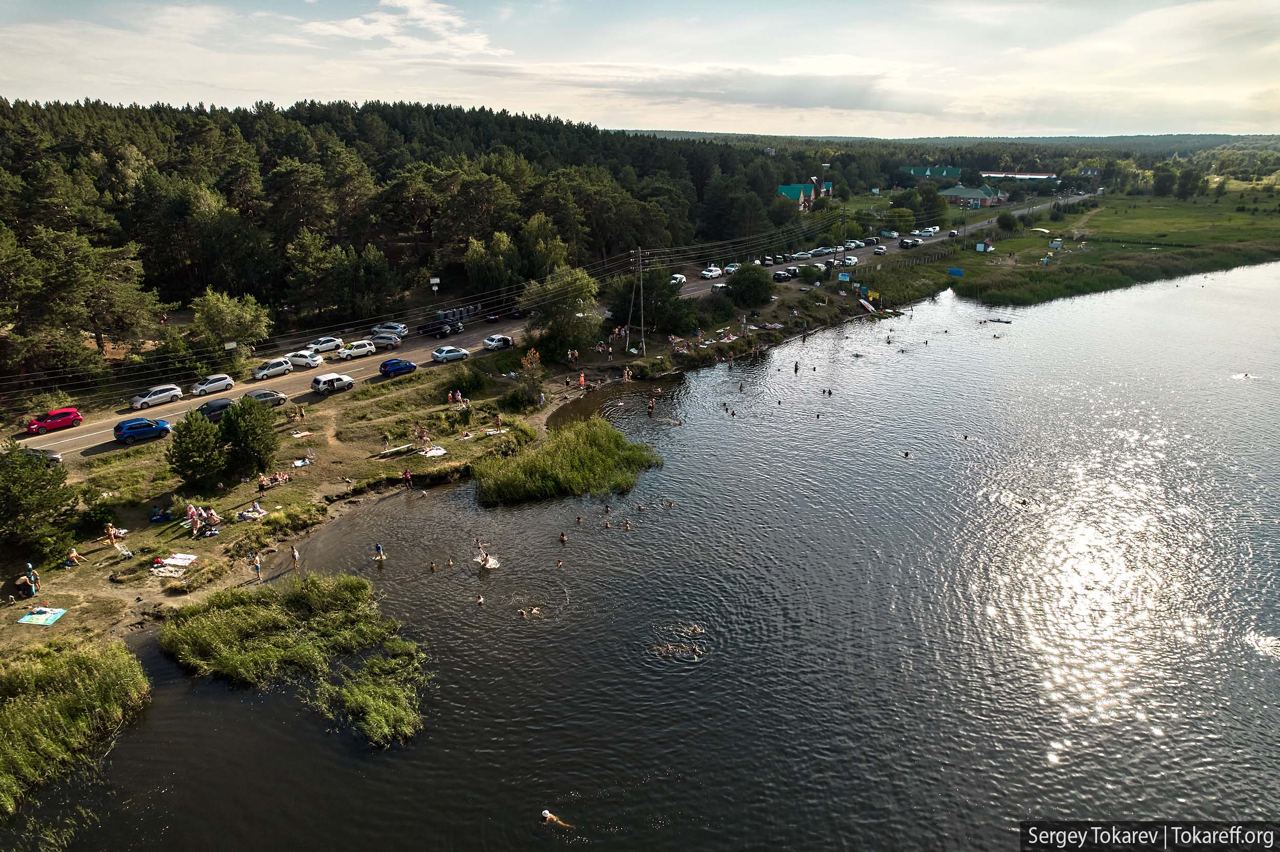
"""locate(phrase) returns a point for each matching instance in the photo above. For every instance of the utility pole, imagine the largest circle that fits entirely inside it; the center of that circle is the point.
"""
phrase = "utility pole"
(631, 310)
(640, 274)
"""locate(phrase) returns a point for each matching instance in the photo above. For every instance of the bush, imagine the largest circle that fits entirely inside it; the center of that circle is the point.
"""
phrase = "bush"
(1007, 222)
(714, 308)
(37, 507)
(751, 287)
(590, 457)
(57, 703)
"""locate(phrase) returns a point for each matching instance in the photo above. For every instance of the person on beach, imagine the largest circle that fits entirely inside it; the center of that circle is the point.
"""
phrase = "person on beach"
(110, 531)
(296, 557)
(582, 380)
(549, 818)
(407, 477)
(257, 566)
(74, 558)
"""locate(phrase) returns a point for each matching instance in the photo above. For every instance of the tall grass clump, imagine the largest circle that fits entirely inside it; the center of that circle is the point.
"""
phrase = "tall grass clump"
(324, 635)
(58, 702)
(589, 457)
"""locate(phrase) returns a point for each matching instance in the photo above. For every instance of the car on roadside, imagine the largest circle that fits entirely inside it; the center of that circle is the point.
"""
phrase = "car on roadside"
(914, 233)
(158, 395)
(793, 271)
(768, 260)
(440, 329)
(953, 233)
(328, 383)
(43, 454)
(679, 279)
(324, 344)
(393, 367)
(801, 255)
(58, 418)
(213, 384)
(880, 250)
(781, 275)
(399, 329)
(850, 260)
(712, 272)
(387, 340)
(871, 241)
(732, 268)
(267, 396)
(274, 367)
(445, 354)
(305, 358)
(215, 408)
(906, 243)
(720, 285)
(498, 341)
(136, 429)
(357, 349)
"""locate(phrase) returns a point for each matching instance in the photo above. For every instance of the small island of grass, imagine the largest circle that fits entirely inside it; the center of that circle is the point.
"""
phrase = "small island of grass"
(59, 702)
(324, 634)
(589, 457)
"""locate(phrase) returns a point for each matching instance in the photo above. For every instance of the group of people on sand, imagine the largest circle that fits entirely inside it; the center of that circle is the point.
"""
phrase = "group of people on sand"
(456, 398)
(266, 481)
(204, 521)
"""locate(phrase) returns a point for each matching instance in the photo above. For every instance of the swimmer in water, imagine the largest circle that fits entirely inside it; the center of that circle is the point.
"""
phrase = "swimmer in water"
(549, 818)
(522, 613)
(564, 539)
(966, 437)
(433, 566)
(626, 526)
(378, 552)
(579, 519)
(536, 611)
(906, 454)
(607, 510)
(559, 563)
(450, 562)
(479, 600)
(640, 508)
(608, 525)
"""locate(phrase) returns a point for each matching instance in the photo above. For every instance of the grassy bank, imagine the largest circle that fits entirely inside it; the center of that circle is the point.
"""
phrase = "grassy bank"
(58, 703)
(1029, 285)
(590, 457)
(325, 635)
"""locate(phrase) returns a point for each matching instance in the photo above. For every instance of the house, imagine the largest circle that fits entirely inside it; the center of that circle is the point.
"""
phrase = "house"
(932, 172)
(1019, 175)
(964, 196)
(803, 193)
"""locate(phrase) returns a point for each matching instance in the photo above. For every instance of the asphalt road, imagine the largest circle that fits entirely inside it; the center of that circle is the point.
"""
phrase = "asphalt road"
(95, 434)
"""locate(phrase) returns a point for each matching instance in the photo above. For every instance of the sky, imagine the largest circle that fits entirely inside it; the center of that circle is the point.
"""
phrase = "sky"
(804, 67)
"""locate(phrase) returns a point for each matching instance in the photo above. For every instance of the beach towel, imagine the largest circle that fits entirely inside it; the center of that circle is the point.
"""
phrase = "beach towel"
(432, 452)
(299, 434)
(167, 571)
(43, 616)
(180, 560)
(491, 432)
(301, 462)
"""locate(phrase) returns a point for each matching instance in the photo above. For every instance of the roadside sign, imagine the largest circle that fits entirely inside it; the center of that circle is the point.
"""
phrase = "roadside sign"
(843, 277)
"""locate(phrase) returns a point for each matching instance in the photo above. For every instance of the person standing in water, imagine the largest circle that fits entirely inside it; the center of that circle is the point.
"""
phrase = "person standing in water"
(378, 553)
(257, 566)
(296, 556)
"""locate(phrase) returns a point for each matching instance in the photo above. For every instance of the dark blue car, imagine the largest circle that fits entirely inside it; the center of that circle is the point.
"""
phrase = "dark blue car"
(140, 429)
(396, 367)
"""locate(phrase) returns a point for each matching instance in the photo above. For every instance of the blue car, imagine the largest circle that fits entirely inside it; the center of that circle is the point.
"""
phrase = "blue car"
(396, 367)
(140, 429)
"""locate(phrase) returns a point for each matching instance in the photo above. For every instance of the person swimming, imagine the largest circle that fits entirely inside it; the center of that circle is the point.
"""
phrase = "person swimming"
(579, 519)
(479, 600)
(522, 613)
(549, 818)
(626, 526)
(564, 539)
(433, 566)
(559, 563)
(608, 525)
(906, 454)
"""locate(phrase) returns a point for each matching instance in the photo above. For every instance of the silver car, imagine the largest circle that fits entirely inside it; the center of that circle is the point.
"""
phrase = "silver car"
(213, 384)
(158, 395)
(386, 340)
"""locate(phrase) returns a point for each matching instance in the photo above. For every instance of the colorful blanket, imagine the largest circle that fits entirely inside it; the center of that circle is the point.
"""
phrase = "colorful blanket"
(43, 616)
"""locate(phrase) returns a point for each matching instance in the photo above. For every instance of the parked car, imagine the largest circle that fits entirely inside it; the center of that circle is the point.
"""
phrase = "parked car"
(213, 384)
(906, 243)
(828, 263)
(720, 285)
(781, 275)
(793, 271)
(393, 367)
(871, 241)
(58, 418)
(399, 329)
(440, 328)
(43, 454)
(801, 255)
(889, 234)
(357, 349)
(768, 260)
(272, 368)
(712, 272)
(914, 233)
(332, 383)
(215, 408)
(679, 279)
(498, 341)
(732, 268)
(140, 429)
(850, 260)
(305, 358)
(387, 340)
(158, 395)
(880, 250)
(325, 344)
(445, 354)
(953, 233)
(266, 396)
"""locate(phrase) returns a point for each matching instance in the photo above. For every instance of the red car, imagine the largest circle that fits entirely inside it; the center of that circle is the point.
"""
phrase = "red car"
(59, 418)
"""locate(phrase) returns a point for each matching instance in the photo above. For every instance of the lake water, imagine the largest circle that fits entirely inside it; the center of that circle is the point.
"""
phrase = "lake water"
(1072, 613)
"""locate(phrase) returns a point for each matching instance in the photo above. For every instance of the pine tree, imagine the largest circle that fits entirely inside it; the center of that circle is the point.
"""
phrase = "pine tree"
(249, 432)
(196, 453)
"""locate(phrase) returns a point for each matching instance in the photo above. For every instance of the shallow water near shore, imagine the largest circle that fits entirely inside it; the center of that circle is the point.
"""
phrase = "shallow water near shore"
(1071, 612)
